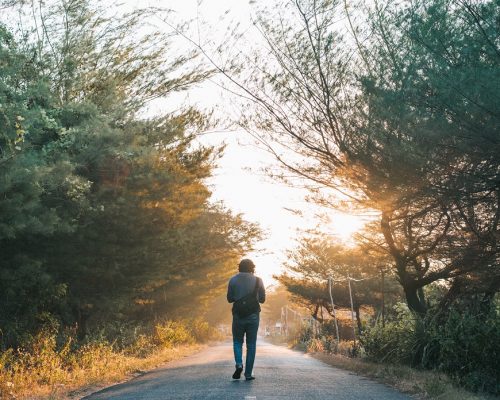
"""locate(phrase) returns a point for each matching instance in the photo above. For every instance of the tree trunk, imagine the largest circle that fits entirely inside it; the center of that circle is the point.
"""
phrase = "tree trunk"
(415, 302)
(358, 319)
(414, 295)
(315, 313)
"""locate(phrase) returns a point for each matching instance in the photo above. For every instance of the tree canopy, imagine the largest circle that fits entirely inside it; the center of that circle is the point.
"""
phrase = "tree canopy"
(395, 105)
(317, 260)
(104, 215)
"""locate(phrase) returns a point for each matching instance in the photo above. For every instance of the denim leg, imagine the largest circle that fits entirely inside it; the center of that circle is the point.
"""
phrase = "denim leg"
(238, 332)
(252, 326)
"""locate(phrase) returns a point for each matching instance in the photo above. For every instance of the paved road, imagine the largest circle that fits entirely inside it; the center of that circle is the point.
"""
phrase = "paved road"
(280, 374)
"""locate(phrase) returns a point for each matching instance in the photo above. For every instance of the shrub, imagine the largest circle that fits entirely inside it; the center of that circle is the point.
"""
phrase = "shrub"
(469, 345)
(201, 330)
(466, 345)
(315, 345)
(306, 333)
(142, 346)
(170, 333)
(85, 357)
(325, 341)
(396, 341)
(50, 359)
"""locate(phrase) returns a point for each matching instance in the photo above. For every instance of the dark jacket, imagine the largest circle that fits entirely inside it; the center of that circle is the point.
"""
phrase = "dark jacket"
(243, 283)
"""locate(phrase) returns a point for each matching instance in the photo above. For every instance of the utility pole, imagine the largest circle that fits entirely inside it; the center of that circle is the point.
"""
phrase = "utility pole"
(286, 321)
(281, 322)
(382, 271)
(330, 284)
(352, 310)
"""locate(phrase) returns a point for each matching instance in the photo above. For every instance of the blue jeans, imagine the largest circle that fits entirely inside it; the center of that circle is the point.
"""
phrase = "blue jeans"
(249, 326)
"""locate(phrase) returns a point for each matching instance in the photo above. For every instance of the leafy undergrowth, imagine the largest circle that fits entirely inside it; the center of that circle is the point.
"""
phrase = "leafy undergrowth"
(421, 384)
(55, 366)
(450, 358)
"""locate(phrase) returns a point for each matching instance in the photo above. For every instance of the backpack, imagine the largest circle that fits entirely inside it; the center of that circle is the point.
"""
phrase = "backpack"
(248, 304)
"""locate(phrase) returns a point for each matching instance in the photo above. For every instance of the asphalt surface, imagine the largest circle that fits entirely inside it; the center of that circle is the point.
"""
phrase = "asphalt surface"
(280, 374)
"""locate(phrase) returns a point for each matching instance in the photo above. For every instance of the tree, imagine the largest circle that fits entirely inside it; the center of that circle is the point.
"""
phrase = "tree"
(25, 179)
(401, 117)
(316, 260)
(105, 215)
(433, 86)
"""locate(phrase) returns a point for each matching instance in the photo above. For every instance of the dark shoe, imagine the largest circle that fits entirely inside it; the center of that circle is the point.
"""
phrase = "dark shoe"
(249, 378)
(237, 373)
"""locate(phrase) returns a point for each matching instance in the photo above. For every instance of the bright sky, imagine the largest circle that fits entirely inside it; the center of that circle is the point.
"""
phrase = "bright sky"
(242, 185)
(239, 180)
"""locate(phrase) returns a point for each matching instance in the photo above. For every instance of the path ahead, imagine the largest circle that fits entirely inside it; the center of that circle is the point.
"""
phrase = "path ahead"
(280, 374)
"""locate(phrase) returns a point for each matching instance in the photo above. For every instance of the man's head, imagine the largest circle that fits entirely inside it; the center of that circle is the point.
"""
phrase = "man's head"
(246, 265)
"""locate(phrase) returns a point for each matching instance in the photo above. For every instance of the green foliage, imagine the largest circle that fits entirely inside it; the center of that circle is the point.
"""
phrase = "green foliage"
(465, 346)
(105, 217)
(396, 107)
(397, 341)
(469, 349)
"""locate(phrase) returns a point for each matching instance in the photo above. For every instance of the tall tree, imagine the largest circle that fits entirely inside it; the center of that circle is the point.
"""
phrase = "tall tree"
(105, 216)
(401, 116)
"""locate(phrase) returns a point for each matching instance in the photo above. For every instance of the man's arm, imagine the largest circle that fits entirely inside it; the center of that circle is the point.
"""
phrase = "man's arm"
(262, 291)
(230, 295)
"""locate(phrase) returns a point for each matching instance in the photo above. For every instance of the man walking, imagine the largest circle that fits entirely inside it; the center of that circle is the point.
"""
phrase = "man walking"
(246, 291)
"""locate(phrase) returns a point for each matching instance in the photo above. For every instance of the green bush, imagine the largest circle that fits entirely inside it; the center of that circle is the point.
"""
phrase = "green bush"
(469, 346)
(398, 341)
(466, 345)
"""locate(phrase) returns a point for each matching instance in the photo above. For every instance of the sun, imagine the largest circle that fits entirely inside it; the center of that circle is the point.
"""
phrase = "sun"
(344, 226)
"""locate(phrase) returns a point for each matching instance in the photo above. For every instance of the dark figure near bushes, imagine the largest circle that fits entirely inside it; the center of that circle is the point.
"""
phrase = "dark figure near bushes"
(246, 291)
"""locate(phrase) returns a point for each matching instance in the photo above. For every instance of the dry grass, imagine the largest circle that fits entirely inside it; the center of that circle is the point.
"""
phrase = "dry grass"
(127, 368)
(97, 370)
(420, 384)
(45, 370)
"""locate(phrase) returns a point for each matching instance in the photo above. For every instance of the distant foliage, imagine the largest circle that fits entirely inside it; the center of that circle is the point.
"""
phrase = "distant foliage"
(317, 259)
(324, 341)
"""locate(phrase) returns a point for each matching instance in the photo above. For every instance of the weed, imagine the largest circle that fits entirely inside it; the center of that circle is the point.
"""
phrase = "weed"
(52, 363)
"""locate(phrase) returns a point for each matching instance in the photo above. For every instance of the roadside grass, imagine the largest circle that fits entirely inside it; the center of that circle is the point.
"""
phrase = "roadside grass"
(46, 370)
(419, 384)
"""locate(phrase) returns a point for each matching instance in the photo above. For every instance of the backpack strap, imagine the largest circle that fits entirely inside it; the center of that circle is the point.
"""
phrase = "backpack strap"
(256, 288)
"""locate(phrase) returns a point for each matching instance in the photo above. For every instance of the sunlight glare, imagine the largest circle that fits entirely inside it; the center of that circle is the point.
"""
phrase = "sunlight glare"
(344, 226)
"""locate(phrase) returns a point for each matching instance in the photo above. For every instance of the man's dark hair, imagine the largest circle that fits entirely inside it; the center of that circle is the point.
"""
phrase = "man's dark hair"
(246, 265)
